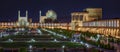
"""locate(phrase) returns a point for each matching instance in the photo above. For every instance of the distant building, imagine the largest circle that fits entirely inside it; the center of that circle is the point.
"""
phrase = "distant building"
(22, 21)
(94, 13)
(78, 18)
(90, 21)
(89, 14)
(30, 20)
(42, 19)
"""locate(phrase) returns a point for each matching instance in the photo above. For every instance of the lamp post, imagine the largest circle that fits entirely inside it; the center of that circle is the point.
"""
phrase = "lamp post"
(30, 48)
(63, 48)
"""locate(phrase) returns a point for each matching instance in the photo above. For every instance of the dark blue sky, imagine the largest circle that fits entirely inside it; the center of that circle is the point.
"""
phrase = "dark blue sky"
(63, 8)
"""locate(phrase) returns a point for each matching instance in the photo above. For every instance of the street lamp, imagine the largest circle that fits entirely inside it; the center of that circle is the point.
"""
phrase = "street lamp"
(30, 48)
(63, 48)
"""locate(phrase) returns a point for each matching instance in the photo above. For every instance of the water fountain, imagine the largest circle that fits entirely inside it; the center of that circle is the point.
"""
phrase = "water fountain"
(9, 40)
(64, 37)
(87, 45)
(39, 31)
(32, 40)
(55, 40)
(81, 42)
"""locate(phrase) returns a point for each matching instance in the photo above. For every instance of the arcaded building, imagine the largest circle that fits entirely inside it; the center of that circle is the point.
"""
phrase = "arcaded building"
(91, 21)
(106, 27)
(89, 14)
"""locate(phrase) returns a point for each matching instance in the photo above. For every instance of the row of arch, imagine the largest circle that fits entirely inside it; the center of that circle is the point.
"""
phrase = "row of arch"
(105, 31)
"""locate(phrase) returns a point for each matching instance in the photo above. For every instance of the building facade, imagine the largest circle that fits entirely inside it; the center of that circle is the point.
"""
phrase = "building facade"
(107, 27)
(94, 13)
(91, 22)
(78, 18)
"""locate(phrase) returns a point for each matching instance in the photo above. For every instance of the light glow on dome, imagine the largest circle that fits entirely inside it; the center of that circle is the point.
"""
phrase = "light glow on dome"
(51, 14)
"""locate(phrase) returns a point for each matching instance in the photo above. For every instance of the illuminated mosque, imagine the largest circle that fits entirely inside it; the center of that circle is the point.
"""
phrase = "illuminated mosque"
(89, 20)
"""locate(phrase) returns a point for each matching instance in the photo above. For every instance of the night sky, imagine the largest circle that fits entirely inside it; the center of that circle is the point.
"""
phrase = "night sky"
(63, 8)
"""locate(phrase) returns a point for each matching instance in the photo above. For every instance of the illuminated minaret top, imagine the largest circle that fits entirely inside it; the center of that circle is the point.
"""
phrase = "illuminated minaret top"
(20, 16)
(26, 13)
(25, 18)
(40, 14)
(23, 21)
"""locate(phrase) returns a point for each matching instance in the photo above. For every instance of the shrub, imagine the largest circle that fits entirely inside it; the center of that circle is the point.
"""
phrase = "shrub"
(1, 49)
(23, 49)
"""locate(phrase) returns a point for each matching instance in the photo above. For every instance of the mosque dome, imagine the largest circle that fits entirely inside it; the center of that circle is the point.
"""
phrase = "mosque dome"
(51, 14)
